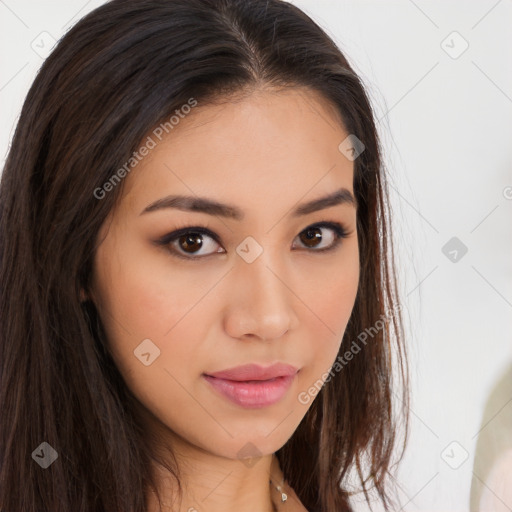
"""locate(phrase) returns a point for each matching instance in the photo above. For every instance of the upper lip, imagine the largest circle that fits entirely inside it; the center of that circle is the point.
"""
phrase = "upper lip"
(255, 372)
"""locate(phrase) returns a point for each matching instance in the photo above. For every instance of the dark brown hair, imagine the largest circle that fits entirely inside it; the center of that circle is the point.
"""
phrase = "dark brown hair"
(121, 70)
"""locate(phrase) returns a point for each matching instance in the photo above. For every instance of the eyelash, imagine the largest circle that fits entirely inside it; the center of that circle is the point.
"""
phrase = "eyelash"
(339, 229)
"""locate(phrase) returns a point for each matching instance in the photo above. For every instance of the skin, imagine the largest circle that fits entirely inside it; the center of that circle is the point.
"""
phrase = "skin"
(265, 153)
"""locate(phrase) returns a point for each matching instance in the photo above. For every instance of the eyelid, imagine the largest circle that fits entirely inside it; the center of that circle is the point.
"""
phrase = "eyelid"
(340, 229)
(188, 229)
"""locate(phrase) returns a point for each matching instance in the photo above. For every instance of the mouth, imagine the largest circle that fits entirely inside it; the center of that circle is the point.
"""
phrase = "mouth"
(256, 372)
(252, 394)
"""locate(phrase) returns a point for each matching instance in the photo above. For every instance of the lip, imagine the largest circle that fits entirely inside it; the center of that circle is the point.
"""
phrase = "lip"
(255, 372)
(253, 386)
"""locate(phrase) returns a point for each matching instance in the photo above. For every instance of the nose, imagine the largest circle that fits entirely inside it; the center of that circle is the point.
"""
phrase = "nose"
(260, 301)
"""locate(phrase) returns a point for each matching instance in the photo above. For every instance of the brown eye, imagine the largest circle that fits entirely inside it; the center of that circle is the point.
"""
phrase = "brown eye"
(311, 237)
(190, 242)
(195, 242)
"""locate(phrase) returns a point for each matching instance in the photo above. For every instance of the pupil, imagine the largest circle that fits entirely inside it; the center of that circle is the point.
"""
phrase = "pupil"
(312, 235)
(191, 239)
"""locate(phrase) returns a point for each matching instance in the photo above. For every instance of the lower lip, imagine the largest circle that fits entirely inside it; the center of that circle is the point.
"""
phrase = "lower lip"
(252, 394)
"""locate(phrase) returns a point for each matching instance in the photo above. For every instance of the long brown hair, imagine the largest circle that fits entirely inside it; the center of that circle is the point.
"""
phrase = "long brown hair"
(121, 70)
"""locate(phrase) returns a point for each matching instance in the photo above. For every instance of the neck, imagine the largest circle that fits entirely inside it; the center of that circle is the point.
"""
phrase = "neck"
(217, 484)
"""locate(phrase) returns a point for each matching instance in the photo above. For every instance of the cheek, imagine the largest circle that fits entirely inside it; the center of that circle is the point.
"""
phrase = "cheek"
(144, 298)
(328, 298)
(149, 300)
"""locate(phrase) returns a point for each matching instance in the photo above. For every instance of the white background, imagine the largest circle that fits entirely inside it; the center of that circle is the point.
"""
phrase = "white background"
(446, 127)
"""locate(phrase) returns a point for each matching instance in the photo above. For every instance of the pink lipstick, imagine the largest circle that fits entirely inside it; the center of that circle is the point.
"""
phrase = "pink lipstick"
(253, 386)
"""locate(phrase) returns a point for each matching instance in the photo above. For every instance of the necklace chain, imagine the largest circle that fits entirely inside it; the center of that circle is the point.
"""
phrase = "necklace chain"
(284, 496)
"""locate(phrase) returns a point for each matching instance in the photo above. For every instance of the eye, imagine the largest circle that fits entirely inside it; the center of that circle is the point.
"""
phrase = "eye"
(191, 241)
(312, 236)
(195, 242)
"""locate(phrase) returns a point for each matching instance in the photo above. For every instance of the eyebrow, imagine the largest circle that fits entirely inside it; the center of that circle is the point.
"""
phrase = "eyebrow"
(342, 196)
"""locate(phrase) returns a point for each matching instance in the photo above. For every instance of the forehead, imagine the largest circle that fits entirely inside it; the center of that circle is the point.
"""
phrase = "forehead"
(270, 147)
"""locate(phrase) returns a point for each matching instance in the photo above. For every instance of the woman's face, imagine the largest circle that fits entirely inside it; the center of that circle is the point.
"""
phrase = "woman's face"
(258, 288)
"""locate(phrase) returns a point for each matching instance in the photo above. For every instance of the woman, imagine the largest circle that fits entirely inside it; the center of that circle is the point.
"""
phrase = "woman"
(199, 306)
